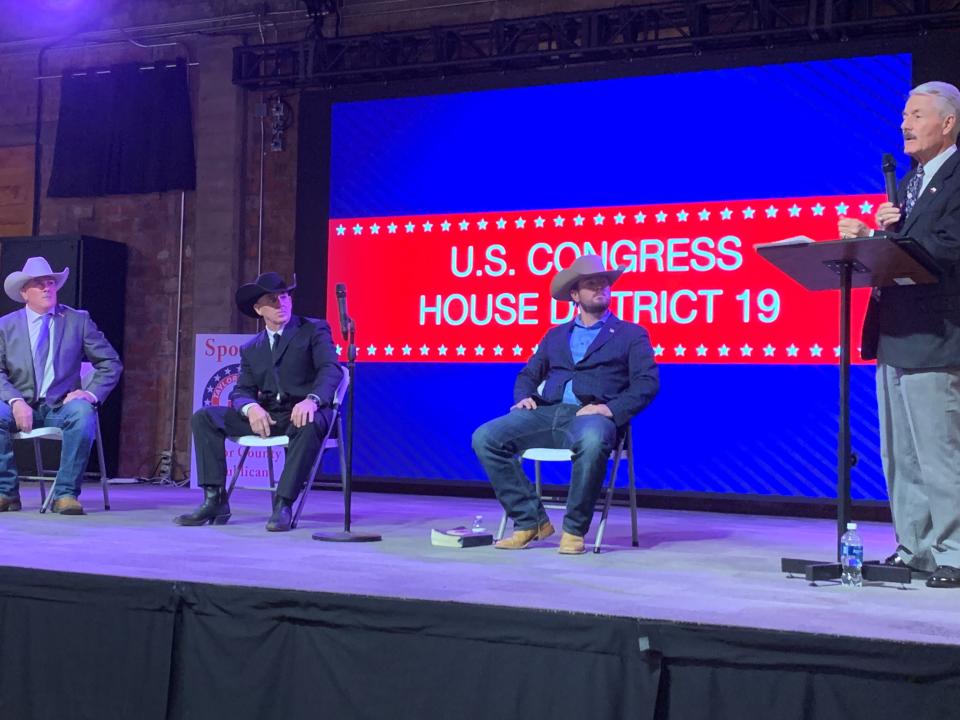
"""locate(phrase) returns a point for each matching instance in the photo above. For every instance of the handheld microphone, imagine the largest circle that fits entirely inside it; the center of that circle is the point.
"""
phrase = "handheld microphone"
(890, 177)
(342, 306)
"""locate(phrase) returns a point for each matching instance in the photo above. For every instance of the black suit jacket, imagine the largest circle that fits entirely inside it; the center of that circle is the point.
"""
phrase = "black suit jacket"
(305, 364)
(618, 370)
(917, 327)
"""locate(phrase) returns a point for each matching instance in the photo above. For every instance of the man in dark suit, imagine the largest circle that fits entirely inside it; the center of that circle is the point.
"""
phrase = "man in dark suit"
(597, 372)
(914, 334)
(41, 349)
(289, 375)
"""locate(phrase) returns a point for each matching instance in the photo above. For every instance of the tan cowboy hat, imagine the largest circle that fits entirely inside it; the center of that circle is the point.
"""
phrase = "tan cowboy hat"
(265, 284)
(33, 268)
(582, 267)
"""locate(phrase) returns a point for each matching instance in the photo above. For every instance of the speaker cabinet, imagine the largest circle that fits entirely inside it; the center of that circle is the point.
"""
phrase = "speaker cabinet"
(97, 284)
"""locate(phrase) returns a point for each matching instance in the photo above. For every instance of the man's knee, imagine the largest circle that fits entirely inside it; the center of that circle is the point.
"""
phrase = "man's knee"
(200, 419)
(487, 437)
(79, 413)
(312, 432)
(481, 438)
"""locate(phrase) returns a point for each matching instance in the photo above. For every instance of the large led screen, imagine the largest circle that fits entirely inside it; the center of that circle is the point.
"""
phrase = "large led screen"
(449, 214)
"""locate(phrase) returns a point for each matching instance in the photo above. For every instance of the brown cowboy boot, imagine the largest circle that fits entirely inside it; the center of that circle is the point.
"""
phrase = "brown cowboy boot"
(521, 538)
(571, 544)
(67, 505)
(10, 503)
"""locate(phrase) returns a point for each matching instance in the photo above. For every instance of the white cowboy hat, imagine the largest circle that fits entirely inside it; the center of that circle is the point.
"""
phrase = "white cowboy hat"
(585, 266)
(33, 268)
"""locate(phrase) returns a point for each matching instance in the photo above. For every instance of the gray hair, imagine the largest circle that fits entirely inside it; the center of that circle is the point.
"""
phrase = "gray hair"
(946, 97)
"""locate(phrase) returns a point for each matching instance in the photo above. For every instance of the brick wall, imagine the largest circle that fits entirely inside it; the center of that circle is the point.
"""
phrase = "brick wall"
(222, 217)
(150, 227)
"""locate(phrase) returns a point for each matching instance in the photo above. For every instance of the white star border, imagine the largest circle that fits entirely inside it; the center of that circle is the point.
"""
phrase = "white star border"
(752, 351)
(534, 221)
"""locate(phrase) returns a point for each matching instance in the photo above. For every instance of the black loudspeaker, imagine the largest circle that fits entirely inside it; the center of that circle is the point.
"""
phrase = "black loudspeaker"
(97, 284)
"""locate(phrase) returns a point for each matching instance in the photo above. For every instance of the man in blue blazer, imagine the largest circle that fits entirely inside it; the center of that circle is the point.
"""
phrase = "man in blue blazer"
(289, 375)
(41, 349)
(913, 331)
(597, 372)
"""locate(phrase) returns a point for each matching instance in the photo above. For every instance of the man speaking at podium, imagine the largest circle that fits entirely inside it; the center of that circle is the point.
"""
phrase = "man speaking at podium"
(914, 334)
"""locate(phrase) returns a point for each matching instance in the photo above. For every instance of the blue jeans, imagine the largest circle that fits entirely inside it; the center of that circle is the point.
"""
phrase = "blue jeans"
(498, 444)
(77, 420)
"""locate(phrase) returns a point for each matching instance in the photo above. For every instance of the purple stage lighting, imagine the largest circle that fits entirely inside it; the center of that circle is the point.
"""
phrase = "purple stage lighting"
(51, 17)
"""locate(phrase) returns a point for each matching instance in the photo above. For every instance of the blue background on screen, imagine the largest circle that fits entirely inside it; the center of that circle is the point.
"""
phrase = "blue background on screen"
(814, 128)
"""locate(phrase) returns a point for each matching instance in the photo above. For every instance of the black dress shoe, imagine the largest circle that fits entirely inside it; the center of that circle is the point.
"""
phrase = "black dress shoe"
(945, 576)
(282, 517)
(214, 509)
(896, 561)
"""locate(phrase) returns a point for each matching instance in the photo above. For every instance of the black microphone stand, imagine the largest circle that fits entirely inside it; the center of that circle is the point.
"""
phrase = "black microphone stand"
(350, 334)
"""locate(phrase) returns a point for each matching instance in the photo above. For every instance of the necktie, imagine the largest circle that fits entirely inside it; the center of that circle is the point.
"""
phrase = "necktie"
(274, 345)
(41, 352)
(913, 191)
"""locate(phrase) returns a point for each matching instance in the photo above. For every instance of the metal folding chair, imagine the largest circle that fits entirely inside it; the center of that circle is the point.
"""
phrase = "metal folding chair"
(330, 440)
(37, 435)
(624, 451)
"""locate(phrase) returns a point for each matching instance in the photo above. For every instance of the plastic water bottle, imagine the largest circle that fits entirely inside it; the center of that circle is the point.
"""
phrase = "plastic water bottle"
(851, 557)
(478, 524)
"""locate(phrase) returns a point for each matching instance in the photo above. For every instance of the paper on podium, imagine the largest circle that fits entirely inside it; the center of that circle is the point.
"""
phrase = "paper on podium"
(796, 240)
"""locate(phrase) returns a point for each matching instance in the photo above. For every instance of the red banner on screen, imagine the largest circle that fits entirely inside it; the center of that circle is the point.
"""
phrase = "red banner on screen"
(475, 287)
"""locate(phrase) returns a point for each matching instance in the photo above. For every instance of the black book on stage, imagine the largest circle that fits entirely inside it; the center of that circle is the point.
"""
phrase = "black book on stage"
(460, 537)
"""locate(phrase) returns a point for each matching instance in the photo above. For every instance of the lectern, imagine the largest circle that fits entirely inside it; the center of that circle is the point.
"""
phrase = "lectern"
(845, 264)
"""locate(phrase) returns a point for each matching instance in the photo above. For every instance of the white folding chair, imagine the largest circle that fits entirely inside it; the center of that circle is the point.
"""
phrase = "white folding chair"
(330, 440)
(37, 435)
(624, 451)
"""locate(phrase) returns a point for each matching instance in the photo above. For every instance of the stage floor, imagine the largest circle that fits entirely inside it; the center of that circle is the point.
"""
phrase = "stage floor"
(690, 567)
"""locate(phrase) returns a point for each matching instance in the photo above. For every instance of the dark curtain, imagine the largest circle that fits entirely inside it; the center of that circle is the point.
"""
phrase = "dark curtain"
(84, 647)
(123, 132)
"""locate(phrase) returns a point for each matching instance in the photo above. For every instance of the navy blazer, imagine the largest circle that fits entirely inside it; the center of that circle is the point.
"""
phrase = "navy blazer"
(305, 364)
(918, 326)
(617, 370)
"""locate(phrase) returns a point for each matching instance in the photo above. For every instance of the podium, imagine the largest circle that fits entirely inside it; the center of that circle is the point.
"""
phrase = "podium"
(846, 264)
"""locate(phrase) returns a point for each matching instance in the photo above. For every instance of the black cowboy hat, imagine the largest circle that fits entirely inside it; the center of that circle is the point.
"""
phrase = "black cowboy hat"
(265, 284)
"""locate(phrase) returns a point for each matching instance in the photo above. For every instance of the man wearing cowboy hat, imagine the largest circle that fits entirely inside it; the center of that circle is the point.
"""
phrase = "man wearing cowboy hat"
(41, 348)
(288, 377)
(597, 372)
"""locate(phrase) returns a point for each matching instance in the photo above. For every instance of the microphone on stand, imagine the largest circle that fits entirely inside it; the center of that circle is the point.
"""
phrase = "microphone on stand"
(342, 306)
(345, 435)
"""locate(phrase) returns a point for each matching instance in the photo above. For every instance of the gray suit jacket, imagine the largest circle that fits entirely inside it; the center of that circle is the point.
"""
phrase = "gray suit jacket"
(75, 338)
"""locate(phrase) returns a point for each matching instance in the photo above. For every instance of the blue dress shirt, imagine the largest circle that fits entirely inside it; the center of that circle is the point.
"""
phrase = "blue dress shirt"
(581, 337)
